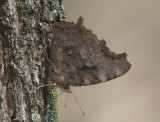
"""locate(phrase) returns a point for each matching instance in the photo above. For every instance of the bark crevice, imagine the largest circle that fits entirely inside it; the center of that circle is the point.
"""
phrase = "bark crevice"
(24, 34)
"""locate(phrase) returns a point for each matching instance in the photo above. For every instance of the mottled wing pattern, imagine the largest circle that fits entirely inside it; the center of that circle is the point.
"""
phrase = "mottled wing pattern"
(81, 58)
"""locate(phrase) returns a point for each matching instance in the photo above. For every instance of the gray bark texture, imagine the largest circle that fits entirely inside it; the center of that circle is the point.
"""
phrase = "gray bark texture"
(25, 32)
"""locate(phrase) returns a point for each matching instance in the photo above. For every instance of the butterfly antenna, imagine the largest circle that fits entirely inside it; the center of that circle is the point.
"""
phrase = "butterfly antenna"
(66, 101)
(79, 105)
(60, 94)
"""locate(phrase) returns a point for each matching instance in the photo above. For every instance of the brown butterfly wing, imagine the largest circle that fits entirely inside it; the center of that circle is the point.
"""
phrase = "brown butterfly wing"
(81, 58)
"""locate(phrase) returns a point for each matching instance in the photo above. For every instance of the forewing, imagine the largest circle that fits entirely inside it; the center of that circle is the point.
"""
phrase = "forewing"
(81, 58)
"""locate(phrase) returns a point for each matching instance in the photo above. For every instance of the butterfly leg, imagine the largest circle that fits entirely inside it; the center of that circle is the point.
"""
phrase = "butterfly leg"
(46, 85)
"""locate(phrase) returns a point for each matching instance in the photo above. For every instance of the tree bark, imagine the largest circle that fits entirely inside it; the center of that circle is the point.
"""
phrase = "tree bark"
(25, 33)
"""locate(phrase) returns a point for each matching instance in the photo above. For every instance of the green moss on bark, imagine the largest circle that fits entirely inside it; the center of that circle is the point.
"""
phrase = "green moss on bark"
(53, 109)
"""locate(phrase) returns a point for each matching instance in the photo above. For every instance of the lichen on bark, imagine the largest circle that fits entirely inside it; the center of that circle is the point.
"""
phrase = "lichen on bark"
(23, 66)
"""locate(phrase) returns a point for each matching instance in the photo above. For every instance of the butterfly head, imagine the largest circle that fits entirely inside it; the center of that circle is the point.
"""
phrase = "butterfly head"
(66, 89)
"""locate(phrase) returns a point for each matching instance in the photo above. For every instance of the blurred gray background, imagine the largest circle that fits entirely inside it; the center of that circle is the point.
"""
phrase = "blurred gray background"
(131, 26)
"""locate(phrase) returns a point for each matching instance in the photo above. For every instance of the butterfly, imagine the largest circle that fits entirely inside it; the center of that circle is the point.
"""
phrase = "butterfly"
(80, 59)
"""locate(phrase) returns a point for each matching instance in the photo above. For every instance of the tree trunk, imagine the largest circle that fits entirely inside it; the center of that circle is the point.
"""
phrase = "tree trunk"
(25, 33)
